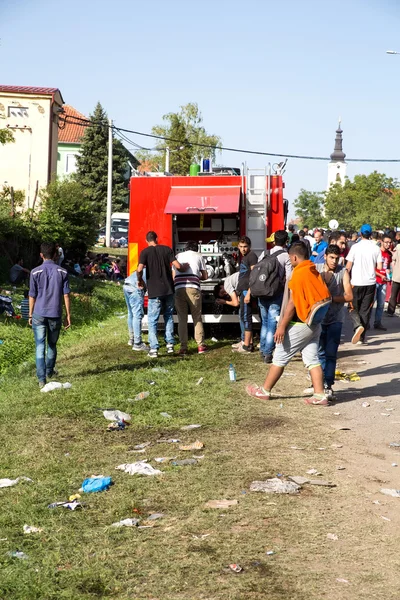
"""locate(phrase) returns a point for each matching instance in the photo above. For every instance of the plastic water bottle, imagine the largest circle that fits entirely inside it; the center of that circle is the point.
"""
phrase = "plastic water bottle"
(232, 373)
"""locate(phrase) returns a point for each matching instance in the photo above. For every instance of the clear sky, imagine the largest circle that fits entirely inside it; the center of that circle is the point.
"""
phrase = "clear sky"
(267, 75)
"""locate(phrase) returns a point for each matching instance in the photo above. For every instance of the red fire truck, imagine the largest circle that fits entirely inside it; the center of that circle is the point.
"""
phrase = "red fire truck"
(213, 208)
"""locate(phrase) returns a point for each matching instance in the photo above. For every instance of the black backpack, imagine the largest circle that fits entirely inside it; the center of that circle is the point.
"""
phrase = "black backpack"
(266, 279)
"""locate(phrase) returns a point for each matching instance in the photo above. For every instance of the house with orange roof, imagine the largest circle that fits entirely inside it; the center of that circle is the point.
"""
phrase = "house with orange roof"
(30, 162)
(70, 134)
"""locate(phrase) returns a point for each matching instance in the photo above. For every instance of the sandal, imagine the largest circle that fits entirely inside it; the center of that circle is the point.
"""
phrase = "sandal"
(257, 392)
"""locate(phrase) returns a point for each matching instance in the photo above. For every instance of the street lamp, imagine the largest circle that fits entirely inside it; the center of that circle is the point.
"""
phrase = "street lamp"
(167, 153)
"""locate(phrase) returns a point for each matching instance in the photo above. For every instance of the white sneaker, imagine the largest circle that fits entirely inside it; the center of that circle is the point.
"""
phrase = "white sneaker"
(153, 354)
(140, 347)
(329, 393)
(237, 345)
(130, 342)
(308, 391)
(170, 348)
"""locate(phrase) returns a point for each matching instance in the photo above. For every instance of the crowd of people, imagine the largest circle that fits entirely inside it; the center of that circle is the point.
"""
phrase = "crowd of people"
(300, 287)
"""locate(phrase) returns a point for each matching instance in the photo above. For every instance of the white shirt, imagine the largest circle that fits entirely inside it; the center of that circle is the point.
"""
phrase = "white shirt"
(310, 239)
(364, 255)
(191, 277)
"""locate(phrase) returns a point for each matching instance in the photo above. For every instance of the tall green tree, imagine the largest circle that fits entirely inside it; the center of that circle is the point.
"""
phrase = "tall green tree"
(184, 126)
(309, 208)
(373, 199)
(93, 166)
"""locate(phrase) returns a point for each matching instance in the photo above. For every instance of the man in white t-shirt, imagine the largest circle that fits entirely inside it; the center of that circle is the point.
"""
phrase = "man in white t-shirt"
(363, 260)
(188, 296)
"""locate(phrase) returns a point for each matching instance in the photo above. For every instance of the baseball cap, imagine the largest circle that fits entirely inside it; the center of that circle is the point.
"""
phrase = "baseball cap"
(366, 228)
(271, 238)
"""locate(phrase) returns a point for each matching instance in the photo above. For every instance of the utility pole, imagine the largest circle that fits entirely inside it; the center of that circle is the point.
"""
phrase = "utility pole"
(109, 183)
(167, 151)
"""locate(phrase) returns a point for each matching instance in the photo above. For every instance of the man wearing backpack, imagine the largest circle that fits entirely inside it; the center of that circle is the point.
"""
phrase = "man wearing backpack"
(305, 304)
(270, 302)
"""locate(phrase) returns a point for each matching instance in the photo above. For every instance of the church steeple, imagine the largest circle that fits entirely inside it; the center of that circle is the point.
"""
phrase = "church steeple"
(338, 155)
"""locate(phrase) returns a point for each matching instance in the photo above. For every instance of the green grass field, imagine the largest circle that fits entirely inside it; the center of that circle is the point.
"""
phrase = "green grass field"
(60, 438)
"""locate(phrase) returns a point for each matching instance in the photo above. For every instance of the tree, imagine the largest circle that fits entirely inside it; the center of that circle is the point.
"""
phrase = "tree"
(373, 199)
(185, 128)
(309, 208)
(6, 136)
(66, 215)
(93, 166)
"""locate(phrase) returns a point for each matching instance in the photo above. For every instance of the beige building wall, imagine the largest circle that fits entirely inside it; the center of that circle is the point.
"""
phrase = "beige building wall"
(32, 158)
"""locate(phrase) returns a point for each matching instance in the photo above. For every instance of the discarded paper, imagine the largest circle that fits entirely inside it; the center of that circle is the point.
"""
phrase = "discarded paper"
(275, 486)
(138, 468)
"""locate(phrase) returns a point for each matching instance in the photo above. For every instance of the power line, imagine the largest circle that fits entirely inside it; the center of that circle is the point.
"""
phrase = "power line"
(228, 149)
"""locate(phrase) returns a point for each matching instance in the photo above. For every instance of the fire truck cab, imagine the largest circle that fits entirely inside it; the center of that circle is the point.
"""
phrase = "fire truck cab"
(213, 208)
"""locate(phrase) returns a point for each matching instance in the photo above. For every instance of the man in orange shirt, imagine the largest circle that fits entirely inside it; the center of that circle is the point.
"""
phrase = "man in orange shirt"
(306, 295)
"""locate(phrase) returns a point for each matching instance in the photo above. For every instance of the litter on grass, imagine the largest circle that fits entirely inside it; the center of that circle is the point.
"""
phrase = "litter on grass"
(126, 523)
(296, 448)
(31, 529)
(142, 446)
(275, 486)
(117, 415)
(17, 554)
(342, 376)
(385, 414)
(235, 568)
(214, 339)
(189, 427)
(220, 503)
(155, 516)
(166, 415)
(139, 468)
(202, 536)
(385, 518)
(70, 505)
(390, 492)
(98, 483)
(164, 459)
(197, 445)
(269, 552)
(117, 426)
(200, 381)
(299, 479)
(313, 472)
(160, 370)
(185, 461)
(55, 385)
(340, 580)
(168, 441)
(140, 396)
(332, 536)
(10, 482)
(394, 464)
(394, 444)
(340, 468)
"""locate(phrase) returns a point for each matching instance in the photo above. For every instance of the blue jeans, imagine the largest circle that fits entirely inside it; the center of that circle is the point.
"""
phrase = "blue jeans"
(328, 349)
(380, 302)
(45, 327)
(135, 303)
(270, 310)
(246, 318)
(163, 305)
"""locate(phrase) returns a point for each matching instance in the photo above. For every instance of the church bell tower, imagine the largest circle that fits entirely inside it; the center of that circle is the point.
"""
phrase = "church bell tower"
(337, 166)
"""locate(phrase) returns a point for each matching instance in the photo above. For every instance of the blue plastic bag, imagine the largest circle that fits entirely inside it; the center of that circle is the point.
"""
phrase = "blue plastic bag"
(96, 484)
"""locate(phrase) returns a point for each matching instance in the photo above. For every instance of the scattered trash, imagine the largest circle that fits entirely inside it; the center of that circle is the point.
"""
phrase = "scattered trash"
(10, 482)
(389, 409)
(321, 448)
(312, 472)
(394, 444)
(275, 486)
(341, 428)
(385, 414)
(336, 414)
(164, 459)
(189, 427)
(380, 400)
(200, 381)
(375, 502)
(138, 468)
(235, 568)
(117, 415)
(203, 536)
(197, 445)
(337, 446)
(232, 373)
(295, 448)
(214, 339)
(185, 461)
(395, 465)
(160, 370)
(342, 376)
(126, 523)
(299, 479)
(138, 451)
(269, 552)
(151, 382)
(141, 396)
(390, 492)
(116, 426)
(155, 516)
(385, 518)
(31, 529)
(142, 446)
(365, 404)
(321, 482)
(340, 468)
(74, 497)
(98, 483)
(17, 554)
(281, 405)
(166, 415)
(340, 580)
(220, 503)
(332, 536)
(55, 385)
(71, 505)
(168, 441)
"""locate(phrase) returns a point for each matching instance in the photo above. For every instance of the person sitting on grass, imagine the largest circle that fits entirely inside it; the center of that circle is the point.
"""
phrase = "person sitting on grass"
(306, 294)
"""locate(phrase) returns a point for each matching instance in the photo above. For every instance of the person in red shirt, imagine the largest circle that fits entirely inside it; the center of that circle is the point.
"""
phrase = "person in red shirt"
(382, 277)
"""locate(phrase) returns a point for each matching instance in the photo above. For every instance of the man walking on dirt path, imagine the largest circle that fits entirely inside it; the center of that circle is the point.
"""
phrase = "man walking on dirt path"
(48, 287)
(363, 260)
(160, 286)
(304, 293)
